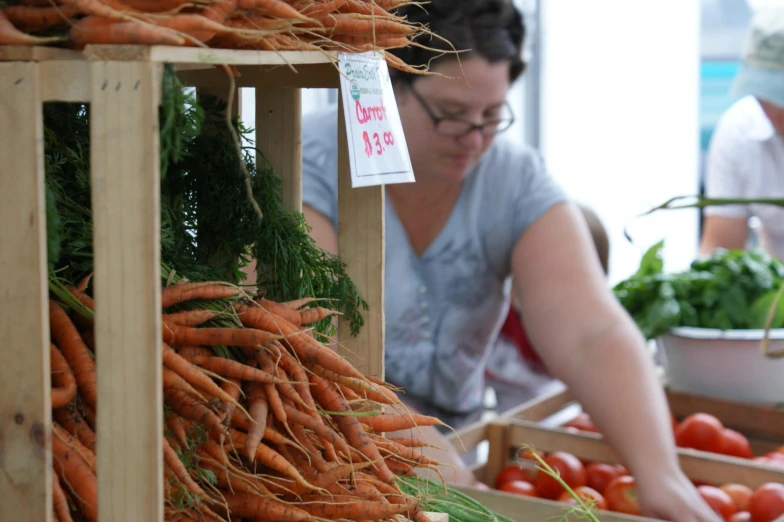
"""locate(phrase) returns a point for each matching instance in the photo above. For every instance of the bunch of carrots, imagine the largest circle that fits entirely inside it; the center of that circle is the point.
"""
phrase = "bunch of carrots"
(287, 430)
(344, 25)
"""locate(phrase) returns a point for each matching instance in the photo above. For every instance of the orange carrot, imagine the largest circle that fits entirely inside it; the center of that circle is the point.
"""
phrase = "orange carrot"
(322, 480)
(232, 388)
(307, 349)
(322, 430)
(273, 8)
(97, 30)
(72, 442)
(172, 379)
(371, 391)
(10, 35)
(190, 408)
(349, 425)
(33, 18)
(64, 383)
(171, 459)
(174, 423)
(74, 472)
(73, 422)
(70, 343)
(258, 409)
(199, 27)
(190, 317)
(179, 293)
(176, 335)
(392, 422)
(337, 506)
(233, 369)
(192, 373)
(59, 502)
(244, 505)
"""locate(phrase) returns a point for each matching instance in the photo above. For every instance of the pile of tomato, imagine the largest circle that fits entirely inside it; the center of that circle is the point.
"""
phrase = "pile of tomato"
(611, 487)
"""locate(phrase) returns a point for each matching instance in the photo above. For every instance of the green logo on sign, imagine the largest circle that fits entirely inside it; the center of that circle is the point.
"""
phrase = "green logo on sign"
(354, 91)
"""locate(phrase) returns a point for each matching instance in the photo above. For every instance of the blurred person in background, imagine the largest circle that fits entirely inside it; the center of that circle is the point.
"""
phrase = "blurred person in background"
(484, 211)
(746, 153)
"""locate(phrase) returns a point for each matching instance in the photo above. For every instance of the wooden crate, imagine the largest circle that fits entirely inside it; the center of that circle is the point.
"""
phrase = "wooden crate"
(507, 435)
(536, 423)
(122, 84)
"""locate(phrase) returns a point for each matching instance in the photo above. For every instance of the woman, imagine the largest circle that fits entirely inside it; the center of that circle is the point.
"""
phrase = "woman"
(483, 210)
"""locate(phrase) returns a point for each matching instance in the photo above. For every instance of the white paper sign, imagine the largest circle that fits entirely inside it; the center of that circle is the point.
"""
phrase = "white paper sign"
(376, 145)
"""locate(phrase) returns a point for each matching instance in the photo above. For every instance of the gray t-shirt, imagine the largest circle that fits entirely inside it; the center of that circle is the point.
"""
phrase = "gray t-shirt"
(444, 309)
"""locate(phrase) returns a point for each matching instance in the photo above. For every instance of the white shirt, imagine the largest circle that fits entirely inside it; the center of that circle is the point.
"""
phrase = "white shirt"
(746, 159)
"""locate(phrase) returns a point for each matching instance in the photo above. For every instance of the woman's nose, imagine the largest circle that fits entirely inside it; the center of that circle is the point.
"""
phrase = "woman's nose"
(473, 140)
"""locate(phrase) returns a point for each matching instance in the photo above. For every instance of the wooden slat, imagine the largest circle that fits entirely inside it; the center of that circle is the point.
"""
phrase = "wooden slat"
(25, 405)
(528, 509)
(696, 465)
(193, 55)
(37, 53)
(65, 81)
(125, 182)
(361, 247)
(541, 407)
(305, 76)
(279, 138)
(497, 435)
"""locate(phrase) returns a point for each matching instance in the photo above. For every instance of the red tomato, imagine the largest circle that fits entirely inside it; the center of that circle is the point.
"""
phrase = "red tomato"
(701, 431)
(587, 495)
(598, 475)
(740, 516)
(510, 473)
(519, 487)
(767, 502)
(530, 470)
(735, 444)
(739, 494)
(718, 500)
(582, 422)
(570, 469)
(621, 495)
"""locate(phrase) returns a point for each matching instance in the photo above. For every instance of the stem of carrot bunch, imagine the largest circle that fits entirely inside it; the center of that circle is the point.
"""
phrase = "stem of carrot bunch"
(582, 510)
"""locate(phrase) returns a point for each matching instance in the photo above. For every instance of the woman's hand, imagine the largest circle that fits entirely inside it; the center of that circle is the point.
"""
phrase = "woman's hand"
(672, 496)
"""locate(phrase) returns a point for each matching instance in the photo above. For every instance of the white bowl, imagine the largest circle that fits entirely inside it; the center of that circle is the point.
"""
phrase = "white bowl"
(726, 364)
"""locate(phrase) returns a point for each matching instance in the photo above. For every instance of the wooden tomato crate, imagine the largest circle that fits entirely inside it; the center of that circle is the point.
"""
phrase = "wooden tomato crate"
(506, 436)
(122, 85)
(763, 425)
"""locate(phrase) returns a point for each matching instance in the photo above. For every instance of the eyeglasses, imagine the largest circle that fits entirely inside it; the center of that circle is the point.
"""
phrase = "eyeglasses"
(458, 127)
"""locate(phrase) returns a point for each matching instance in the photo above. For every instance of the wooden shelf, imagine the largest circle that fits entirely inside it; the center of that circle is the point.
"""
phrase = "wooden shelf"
(122, 85)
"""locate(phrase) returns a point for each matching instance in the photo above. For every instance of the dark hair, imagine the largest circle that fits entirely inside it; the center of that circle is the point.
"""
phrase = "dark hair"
(491, 29)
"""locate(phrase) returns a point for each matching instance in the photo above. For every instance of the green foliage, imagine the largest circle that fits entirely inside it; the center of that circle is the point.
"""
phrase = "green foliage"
(209, 228)
(732, 289)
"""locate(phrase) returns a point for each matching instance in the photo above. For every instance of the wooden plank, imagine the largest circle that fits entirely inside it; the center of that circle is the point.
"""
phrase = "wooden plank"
(125, 178)
(15, 53)
(528, 509)
(753, 420)
(25, 403)
(498, 455)
(437, 517)
(279, 138)
(305, 76)
(697, 465)
(361, 247)
(193, 55)
(65, 81)
(541, 407)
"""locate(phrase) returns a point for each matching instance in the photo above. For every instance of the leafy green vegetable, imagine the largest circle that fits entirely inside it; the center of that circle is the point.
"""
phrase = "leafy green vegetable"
(729, 290)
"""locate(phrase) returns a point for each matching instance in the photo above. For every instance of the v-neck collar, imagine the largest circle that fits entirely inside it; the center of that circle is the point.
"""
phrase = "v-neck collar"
(442, 238)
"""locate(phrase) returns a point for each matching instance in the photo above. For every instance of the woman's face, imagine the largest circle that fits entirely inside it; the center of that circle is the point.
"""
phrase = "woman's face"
(450, 158)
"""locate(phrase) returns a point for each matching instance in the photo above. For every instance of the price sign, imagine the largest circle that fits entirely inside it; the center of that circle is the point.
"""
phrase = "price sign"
(376, 145)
